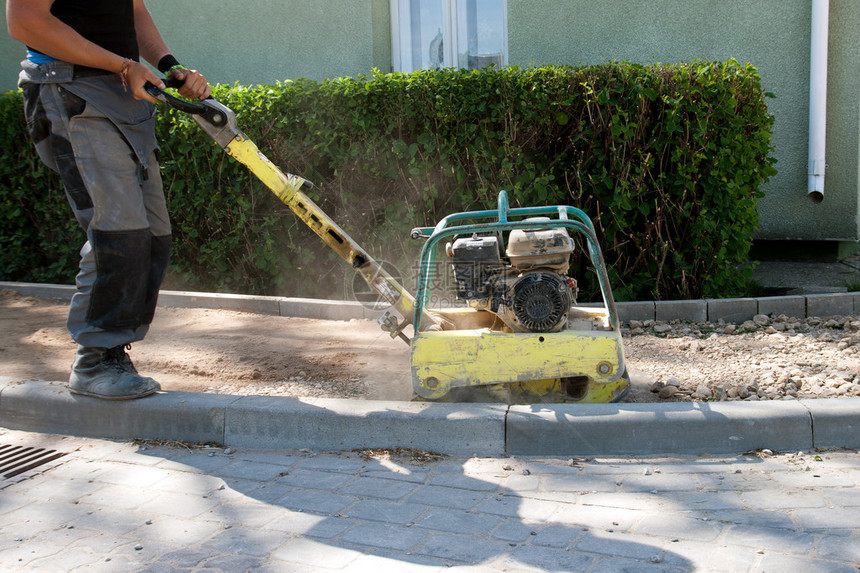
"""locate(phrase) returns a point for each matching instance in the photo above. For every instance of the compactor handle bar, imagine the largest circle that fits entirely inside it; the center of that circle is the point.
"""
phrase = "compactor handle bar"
(214, 118)
(219, 122)
(185, 106)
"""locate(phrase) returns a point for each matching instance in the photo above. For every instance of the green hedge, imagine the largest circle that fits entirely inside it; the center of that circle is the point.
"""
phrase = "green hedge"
(668, 160)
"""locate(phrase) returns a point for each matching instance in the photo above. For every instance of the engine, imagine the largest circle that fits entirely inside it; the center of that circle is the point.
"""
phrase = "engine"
(527, 288)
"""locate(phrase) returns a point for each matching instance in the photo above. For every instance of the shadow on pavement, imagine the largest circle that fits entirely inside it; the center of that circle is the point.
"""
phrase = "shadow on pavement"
(404, 509)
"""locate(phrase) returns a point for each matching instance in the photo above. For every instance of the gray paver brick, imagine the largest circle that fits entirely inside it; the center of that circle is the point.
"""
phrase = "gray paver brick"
(780, 499)
(251, 470)
(577, 484)
(248, 514)
(621, 545)
(179, 505)
(516, 506)
(672, 526)
(817, 478)
(780, 563)
(61, 536)
(522, 483)
(50, 487)
(188, 557)
(243, 541)
(386, 511)
(100, 543)
(385, 536)
(839, 549)
(711, 557)
(20, 556)
(316, 500)
(557, 536)
(312, 553)
(233, 563)
(464, 549)
(774, 518)
(443, 497)
(13, 500)
(398, 474)
(546, 559)
(704, 500)
(771, 539)
(627, 566)
(314, 479)
(196, 462)
(604, 518)
(458, 522)
(624, 500)
(134, 476)
(379, 488)
(183, 532)
(313, 526)
(269, 493)
(341, 463)
(658, 482)
(845, 497)
(120, 497)
(461, 481)
(404, 563)
(72, 559)
(515, 531)
(56, 513)
(834, 518)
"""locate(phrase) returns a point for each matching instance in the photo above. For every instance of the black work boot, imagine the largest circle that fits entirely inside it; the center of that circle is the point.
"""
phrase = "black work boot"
(108, 373)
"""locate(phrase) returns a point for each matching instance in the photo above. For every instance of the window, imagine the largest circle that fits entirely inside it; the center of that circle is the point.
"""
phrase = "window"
(427, 34)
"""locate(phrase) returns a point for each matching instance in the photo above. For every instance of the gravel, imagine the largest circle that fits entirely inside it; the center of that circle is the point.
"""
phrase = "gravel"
(766, 358)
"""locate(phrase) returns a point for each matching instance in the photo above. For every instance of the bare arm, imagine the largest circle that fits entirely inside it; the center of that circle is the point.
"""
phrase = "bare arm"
(31, 22)
(152, 46)
(152, 49)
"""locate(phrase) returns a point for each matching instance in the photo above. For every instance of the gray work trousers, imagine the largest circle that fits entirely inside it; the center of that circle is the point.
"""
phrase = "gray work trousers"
(102, 143)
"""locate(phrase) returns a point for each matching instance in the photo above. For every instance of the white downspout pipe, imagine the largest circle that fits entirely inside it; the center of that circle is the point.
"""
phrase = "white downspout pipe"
(818, 98)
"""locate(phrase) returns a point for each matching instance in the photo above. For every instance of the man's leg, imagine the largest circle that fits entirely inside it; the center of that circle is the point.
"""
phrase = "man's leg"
(122, 262)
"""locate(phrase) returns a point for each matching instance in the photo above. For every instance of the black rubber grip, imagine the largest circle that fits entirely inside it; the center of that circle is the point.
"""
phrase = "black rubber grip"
(190, 107)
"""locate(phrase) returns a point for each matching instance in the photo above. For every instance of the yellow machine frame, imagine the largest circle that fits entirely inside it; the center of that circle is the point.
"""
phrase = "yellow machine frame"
(584, 362)
(455, 355)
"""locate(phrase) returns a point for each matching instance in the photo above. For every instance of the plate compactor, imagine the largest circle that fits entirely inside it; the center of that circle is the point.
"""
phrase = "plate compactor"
(495, 316)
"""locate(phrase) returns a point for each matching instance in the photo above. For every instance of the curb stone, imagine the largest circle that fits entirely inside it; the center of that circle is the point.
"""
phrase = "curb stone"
(274, 422)
(738, 309)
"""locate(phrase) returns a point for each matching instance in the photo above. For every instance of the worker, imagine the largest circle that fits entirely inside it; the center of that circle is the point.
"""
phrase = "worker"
(93, 122)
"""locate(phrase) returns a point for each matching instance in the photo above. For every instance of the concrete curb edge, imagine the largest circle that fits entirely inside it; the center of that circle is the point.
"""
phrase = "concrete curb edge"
(458, 429)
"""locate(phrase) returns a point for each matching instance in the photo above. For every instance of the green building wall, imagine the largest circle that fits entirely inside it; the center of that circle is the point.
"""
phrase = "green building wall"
(774, 36)
(263, 41)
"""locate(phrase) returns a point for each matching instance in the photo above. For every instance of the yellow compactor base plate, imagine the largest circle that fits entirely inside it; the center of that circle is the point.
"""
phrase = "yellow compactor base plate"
(580, 366)
(555, 391)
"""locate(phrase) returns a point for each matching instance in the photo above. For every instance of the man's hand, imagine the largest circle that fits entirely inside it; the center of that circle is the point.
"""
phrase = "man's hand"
(136, 77)
(195, 86)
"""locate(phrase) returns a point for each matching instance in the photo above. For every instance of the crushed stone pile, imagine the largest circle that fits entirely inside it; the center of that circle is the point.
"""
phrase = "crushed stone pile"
(766, 358)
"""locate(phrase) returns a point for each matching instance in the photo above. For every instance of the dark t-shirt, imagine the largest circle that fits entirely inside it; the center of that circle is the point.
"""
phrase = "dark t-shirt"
(107, 23)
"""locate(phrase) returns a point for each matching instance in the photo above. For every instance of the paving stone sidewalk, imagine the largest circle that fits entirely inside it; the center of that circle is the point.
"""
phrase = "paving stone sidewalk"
(122, 506)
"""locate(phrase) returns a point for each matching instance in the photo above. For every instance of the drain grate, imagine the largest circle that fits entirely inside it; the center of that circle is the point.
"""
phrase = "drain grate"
(16, 461)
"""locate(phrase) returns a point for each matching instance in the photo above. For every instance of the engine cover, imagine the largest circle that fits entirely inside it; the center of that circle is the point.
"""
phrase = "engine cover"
(538, 301)
(531, 249)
